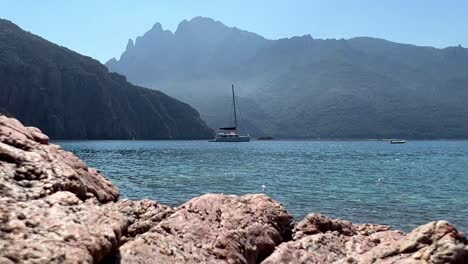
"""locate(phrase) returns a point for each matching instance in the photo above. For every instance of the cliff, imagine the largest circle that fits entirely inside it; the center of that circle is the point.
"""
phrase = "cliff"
(70, 96)
(55, 209)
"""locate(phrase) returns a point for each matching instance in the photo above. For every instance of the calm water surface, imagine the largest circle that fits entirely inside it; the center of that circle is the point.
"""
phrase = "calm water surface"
(362, 181)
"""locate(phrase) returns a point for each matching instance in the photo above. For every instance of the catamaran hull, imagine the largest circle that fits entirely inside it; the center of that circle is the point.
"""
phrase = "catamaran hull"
(231, 139)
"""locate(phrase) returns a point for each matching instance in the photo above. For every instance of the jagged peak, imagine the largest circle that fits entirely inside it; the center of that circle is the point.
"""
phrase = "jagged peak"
(181, 26)
(199, 22)
(111, 61)
(130, 44)
(203, 19)
(156, 32)
(157, 27)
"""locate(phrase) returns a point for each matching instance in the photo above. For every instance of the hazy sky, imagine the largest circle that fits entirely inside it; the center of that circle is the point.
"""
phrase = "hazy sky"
(101, 28)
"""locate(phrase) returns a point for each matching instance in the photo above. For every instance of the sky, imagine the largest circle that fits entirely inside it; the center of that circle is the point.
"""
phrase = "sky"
(101, 28)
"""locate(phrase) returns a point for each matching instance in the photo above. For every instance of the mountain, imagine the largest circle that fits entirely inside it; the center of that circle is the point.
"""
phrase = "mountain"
(302, 87)
(70, 96)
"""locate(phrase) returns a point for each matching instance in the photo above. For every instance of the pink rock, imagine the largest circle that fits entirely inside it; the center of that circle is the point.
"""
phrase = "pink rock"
(213, 228)
(52, 206)
(31, 168)
(142, 215)
(435, 242)
(58, 229)
(320, 239)
(54, 209)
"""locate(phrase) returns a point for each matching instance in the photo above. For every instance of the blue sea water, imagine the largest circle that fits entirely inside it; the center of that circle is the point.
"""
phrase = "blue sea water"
(363, 181)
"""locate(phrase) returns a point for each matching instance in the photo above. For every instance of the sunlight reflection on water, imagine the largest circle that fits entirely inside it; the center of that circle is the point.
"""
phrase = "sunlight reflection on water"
(362, 181)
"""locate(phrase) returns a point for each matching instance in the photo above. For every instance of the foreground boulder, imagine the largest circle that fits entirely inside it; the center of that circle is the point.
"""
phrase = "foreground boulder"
(54, 209)
(58, 229)
(435, 242)
(320, 239)
(52, 206)
(214, 228)
(31, 168)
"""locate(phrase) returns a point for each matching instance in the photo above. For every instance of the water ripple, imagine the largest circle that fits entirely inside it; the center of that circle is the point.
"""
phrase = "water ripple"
(400, 185)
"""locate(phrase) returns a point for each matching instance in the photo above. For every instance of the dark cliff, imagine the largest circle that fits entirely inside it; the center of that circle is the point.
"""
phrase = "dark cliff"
(70, 96)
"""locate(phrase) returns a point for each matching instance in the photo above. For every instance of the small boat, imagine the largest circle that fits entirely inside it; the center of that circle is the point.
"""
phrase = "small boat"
(265, 138)
(398, 141)
(231, 132)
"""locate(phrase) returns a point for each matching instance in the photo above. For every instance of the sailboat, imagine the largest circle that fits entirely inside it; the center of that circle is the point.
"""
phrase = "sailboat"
(230, 133)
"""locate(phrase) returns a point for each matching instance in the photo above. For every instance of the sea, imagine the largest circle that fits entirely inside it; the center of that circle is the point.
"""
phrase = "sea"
(402, 185)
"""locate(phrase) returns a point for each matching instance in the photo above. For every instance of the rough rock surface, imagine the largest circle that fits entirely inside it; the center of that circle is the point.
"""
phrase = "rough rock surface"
(435, 242)
(214, 228)
(31, 168)
(52, 206)
(54, 209)
(320, 239)
(58, 229)
(142, 215)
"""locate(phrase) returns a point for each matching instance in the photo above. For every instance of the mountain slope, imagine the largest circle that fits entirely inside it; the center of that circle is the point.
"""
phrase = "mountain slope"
(70, 96)
(302, 87)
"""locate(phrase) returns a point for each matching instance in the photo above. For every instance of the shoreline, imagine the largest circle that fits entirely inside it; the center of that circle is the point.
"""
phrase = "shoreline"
(256, 140)
(55, 209)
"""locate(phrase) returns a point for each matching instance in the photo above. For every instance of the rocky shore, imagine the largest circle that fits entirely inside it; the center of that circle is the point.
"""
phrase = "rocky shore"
(55, 209)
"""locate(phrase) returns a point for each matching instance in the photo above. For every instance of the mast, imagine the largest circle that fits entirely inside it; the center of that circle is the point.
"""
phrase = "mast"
(234, 103)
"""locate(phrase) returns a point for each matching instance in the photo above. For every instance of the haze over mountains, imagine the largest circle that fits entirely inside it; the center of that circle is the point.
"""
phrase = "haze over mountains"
(70, 96)
(302, 87)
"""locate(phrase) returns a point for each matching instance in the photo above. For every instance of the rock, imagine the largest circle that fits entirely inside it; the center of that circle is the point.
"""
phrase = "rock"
(436, 242)
(142, 215)
(54, 209)
(318, 223)
(214, 228)
(321, 239)
(32, 168)
(58, 229)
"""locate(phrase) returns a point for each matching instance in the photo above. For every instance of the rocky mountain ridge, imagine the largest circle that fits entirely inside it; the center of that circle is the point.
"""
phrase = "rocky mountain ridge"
(302, 87)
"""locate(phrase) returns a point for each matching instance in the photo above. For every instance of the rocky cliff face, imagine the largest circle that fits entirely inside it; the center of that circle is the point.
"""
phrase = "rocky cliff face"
(54, 209)
(71, 96)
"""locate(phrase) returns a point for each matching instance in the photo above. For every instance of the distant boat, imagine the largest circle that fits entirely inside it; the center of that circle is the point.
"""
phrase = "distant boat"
(231, 132)
(398, 141)
(265, 138)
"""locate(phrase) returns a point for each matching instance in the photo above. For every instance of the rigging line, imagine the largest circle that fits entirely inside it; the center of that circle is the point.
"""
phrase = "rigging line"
(235, 112)
(231, 113)
(240, 117)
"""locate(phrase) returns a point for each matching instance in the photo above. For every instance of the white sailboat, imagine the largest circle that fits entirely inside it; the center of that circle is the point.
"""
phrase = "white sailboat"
(230, 134)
